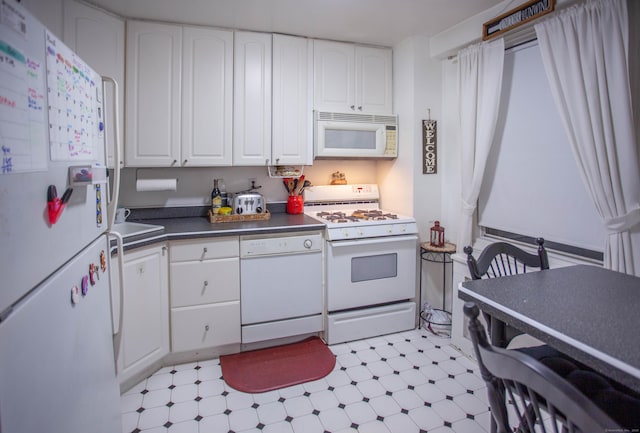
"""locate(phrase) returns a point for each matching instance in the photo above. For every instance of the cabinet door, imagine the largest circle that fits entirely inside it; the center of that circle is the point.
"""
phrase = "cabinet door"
(252, 99)
(292, 113)
(207, 98)
(145, 326)
(374, 80)
(334, 76)
(98, 38)
(154, 55)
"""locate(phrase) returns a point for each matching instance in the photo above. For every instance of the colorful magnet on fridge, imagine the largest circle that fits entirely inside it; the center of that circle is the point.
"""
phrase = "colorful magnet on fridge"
(85, 285)
(103, 261)
(98, 205)
(75, 295)
(92, 272)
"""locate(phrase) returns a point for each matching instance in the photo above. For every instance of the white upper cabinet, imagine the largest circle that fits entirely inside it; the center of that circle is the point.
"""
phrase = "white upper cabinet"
(334, 76)
(374, 81)
(98, 38)
(252, 99)
(207, 97)
(179, 95)
(292, 142)
(153, 97)
(350, 78)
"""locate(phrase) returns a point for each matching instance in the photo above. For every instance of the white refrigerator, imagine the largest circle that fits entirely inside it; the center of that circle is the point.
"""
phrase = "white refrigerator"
(57, 369)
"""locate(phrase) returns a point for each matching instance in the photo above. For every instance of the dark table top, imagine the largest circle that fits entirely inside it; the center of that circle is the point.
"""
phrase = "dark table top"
(587, 312)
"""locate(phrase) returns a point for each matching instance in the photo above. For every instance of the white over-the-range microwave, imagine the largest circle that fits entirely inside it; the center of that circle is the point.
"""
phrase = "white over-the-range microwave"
(345, 135)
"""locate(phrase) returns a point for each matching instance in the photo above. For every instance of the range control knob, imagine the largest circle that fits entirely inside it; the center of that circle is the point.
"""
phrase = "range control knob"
(307, 243)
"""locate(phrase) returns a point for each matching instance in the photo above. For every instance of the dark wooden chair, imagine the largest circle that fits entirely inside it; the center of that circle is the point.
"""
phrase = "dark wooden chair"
(538, 398)
(501, 259)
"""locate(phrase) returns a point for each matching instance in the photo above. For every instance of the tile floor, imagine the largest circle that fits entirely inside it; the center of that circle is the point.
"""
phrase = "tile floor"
(400, 383)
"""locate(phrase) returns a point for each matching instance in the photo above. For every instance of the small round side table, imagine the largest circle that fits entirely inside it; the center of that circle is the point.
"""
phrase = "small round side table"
(442, 255)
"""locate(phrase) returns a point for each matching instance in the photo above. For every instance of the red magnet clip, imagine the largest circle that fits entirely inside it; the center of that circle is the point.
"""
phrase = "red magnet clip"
(56, 205)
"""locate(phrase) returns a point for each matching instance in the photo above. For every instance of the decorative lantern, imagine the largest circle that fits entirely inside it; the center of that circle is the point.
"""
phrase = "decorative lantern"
(437, 235)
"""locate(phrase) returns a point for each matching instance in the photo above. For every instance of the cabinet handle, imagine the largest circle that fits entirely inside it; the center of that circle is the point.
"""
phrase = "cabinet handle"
(184, 162)
(206, 283)
(360, 108)
(353, 107)
(204, 250)
(174, 162)
(206, 328)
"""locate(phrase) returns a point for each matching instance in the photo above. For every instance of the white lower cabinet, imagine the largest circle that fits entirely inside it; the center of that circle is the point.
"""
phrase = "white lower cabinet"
(145, 322)
(205, 293)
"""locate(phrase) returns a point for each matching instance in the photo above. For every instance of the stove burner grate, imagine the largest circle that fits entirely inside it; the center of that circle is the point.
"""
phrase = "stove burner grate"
(356, 216)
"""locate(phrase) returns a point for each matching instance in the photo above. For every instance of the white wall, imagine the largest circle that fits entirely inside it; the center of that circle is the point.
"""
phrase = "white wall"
(194, 184)
(417, 88)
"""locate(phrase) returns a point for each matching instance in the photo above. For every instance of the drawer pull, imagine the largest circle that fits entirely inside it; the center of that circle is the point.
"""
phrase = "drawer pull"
(204, 253)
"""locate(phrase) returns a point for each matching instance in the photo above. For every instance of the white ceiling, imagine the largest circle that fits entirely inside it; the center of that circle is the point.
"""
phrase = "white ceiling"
(380, 22)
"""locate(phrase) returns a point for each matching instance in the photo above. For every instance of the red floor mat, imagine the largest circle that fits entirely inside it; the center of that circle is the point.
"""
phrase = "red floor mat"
(277, 367)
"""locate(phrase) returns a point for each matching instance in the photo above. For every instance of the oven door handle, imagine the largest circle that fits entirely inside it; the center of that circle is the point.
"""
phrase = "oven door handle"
(369, 241)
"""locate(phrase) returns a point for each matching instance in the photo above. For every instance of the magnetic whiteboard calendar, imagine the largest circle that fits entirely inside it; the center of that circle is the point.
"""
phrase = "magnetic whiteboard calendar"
(73, 101)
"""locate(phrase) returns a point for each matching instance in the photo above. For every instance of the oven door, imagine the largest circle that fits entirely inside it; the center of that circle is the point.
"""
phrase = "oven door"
(372, 271)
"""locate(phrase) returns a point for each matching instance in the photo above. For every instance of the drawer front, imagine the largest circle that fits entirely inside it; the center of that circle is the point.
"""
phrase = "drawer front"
(200, 250)
(194, 328)
(195, 283)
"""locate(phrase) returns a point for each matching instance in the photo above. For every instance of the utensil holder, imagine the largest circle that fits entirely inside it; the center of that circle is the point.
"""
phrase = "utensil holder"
(295, 204)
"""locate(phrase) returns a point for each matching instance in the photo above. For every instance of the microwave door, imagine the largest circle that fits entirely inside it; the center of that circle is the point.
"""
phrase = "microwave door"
(350, 140)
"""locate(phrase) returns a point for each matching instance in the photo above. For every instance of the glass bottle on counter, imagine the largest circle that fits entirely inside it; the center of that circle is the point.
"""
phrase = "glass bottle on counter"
(216, 198)
(223, 192)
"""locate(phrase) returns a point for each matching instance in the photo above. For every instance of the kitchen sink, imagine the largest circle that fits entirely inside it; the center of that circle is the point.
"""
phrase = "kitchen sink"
(127, 229)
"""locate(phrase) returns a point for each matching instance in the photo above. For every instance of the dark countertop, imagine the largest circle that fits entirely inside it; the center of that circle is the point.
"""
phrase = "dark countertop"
(198, 227)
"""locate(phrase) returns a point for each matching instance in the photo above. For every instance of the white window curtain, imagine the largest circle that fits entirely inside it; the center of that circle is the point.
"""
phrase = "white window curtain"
(585, 54)
(480, 69)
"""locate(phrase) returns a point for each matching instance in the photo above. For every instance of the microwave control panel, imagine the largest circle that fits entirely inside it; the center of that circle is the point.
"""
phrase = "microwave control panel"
(391, 147)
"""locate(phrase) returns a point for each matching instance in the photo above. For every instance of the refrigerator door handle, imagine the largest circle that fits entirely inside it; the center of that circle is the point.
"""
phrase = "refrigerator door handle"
(111, 206)
(117, 331)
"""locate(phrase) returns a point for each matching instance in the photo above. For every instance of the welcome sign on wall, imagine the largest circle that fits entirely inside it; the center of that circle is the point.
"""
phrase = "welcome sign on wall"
(429, 147)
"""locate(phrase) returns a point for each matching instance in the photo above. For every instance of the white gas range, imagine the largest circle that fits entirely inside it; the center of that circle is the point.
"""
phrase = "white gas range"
(370, 262)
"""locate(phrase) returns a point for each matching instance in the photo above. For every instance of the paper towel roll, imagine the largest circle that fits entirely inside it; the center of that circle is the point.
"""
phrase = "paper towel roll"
(156, 185)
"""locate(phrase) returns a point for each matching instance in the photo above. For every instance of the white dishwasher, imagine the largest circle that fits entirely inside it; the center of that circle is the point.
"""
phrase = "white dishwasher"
(280, 285)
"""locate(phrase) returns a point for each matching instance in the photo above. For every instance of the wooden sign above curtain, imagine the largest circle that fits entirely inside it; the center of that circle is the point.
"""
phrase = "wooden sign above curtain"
(429, 146)
(516, 17)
